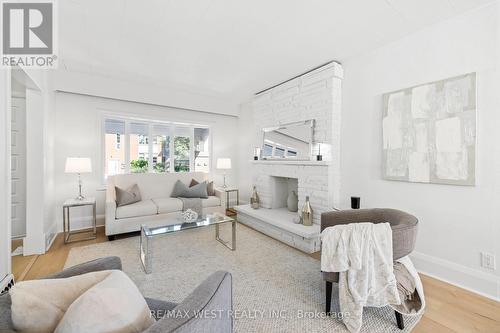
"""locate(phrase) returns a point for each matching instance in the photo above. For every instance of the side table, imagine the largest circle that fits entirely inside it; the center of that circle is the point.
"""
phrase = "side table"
(67, 221)
(228, 191)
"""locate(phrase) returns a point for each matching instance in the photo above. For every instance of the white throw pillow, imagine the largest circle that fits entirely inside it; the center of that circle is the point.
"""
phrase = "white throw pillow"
(114, 305)
(39, 305)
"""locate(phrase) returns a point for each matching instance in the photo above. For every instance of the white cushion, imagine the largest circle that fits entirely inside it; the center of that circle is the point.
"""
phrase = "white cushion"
(168, 205)
(141, 208)
(39, 305)
(212, 201)
(114, 305)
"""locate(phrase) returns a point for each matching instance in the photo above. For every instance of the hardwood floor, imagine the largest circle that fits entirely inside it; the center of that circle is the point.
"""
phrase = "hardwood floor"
(449, 308)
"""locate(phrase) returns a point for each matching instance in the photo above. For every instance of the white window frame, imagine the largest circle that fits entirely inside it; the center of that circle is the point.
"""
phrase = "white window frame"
(125, 141)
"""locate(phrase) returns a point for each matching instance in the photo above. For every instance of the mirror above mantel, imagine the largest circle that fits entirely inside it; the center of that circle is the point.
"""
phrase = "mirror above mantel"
(291, 141)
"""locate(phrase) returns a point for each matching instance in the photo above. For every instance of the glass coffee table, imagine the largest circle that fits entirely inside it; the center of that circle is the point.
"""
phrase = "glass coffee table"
(147, 235)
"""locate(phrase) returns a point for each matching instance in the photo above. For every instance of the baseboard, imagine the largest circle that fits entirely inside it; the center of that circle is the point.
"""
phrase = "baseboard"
(83, 222)
(476, 281)
(50, 236)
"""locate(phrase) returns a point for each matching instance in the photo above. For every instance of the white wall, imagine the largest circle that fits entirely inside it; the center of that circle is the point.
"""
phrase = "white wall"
(456, 223)
(78, 122)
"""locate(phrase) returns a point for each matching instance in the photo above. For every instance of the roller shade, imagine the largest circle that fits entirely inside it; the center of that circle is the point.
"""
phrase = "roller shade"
(161, 130)
(114, 126)
(138, 128)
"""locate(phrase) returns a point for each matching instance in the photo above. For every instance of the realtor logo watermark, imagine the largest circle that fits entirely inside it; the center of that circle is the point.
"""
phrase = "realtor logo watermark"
(28, 34)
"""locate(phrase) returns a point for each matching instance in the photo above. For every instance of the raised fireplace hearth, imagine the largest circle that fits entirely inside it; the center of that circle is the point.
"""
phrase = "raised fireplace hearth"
(274, 180)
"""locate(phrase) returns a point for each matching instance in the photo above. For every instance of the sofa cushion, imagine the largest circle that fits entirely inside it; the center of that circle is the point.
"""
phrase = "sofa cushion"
(211, 201)
(129, 196)
(168, 205)
(141, 208)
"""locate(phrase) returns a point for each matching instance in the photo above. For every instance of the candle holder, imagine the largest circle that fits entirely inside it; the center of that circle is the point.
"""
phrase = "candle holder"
(256, 153)
(319, 157)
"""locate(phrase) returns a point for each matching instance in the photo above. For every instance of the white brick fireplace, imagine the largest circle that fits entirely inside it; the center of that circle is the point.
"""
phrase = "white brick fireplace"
(315, 95)
(312, 181)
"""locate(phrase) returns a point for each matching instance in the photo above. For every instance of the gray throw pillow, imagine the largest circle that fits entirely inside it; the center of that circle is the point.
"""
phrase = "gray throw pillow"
(197, 191)
(128, 196)
(182, 191)
(179, 189)
(210, 187)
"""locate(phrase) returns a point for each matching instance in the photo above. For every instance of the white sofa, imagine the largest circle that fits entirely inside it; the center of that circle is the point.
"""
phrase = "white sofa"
(157, 207)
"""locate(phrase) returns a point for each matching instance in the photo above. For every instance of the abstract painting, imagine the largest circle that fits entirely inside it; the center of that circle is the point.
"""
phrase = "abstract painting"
(429, 132)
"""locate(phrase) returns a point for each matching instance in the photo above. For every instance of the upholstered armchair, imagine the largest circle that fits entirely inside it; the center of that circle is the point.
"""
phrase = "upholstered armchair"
(213, 294)
(404, 234)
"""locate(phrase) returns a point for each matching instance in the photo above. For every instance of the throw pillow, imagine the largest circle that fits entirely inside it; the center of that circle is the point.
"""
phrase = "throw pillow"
(128, 196)
(196, 191)
(210, 187)
(39, 305)
(113, 305)
(179, 189)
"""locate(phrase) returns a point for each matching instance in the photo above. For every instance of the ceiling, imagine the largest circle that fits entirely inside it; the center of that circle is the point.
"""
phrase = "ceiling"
(230, 49)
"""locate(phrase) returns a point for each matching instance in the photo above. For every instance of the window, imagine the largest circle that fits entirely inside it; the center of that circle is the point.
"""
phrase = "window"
(291, 153)
(182, 149)
(154, 146)
(161, 148)
(114, 160)
(201, 152)
(139, 147)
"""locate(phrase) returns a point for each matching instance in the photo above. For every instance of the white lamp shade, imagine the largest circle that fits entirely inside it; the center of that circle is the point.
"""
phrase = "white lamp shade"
(223, 163)
(78, 165)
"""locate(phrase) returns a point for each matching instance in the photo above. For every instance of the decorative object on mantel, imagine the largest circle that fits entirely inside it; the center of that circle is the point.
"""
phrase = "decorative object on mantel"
(254, 199)
(297, 219)
(355, 202)
(307, 213)
(429, 132)
(224, 164)
(189, 216)
(256, 153)
(319, 157)
(292, 202)
(78, 165)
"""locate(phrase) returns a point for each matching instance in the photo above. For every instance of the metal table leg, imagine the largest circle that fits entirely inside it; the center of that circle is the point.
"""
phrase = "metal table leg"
(145, 250)
(232, 247)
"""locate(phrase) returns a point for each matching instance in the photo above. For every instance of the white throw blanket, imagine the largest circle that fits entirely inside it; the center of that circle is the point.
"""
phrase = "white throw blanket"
(362, 254)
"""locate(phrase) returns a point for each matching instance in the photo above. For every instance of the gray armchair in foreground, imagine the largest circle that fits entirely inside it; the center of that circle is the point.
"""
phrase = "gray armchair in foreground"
(208, 307)
(404, 235)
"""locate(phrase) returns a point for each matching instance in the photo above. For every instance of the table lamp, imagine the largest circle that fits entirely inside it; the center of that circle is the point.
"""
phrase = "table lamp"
(78, 165)
(224, 164)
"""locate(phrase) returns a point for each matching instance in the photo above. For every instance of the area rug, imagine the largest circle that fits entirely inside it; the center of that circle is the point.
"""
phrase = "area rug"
(275, 287)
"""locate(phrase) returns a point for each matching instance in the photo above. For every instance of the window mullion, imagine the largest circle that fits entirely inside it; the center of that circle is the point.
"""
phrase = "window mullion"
(150, 147)
(172, 155)
(191, 149)
(127, 147)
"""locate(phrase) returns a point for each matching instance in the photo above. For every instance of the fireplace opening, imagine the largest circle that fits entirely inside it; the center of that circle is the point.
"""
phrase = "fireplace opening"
(281, 189)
